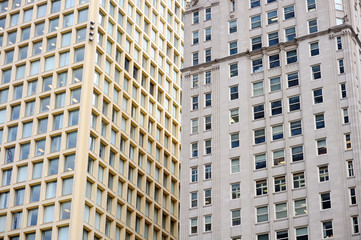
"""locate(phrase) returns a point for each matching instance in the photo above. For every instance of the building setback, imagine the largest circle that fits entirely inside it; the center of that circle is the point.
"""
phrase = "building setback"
(271, 120)
(90, 119)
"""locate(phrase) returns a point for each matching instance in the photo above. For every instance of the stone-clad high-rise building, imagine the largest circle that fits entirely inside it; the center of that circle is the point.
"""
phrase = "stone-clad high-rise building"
(271, 120)
(90, 119)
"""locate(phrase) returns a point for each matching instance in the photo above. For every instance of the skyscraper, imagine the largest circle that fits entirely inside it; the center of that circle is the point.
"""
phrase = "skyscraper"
(271, 120)
(90, 119)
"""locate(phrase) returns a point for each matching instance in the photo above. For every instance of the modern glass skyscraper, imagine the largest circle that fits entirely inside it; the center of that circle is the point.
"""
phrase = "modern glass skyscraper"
(271, 120)
(90, 119)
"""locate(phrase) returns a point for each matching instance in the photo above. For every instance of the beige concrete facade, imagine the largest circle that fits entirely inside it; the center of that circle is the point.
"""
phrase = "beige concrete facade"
(90, 119)
(271, 120)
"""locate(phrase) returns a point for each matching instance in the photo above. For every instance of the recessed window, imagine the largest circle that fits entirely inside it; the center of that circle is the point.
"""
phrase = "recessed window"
(316, 72)
(256, 21)
(272, 17)
(256, 43)
(299, 180)
(233, 26)
(291, 56)
(312, 26)
(262, 214)
(314, 48)
(289, 12)
(290, 33)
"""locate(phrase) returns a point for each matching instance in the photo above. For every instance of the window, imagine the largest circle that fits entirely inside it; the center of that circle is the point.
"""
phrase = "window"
(350, 171)
(317, 96)
(277, 132)
(257, 65)
(325, 201)
(194, 147)
(353, 196)
(235, 190)
(194, 199)
(316, 71)
(53, 24)
(355, 225)
(290, 33)
(273, 39)
(194, 124)
(291, 56)
(35, 193)
(208, 146)
(289, 12)
(233, 70)
(272, 17)
(279, 157)
(208, 34)
(323, 173)
(207, 223)
(294, 103)
(276, 107)
(235, 165)
(71, 139)
(236, 217)
(299, 180)
(256, 21)
(282, 235)
(261, 187)
(207, 197)
(208, 55)
(234, 140)
(195, 17)
(67, 186)
(292, 79)
(233, 92)
(341, 67)
(281, 211)
(82, 15)
(207, 99)
(301, 233)
(194, 227)
(275, 84)
(195, 37)
(255, 3)
(259, 136)
(338, 5)
(195, 103)
(257, 88)
(300, 207)
(314, 48)
(280, 184)
(258, 111)
(233, 26)
(195, 58)
(312, 26)
(16, 221)
(339, 43)
(343, 90)
(234, 116)
(262, 214)
(311, 5)
(208, 78)
(233, 48)
(65, 210)
(256, 43)
(327, 229)
(274, 61)
(320, 121)
(194, 172)
(208, 14)
(260, 161)
(19, 197)
(321, 146)
(32, 217)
